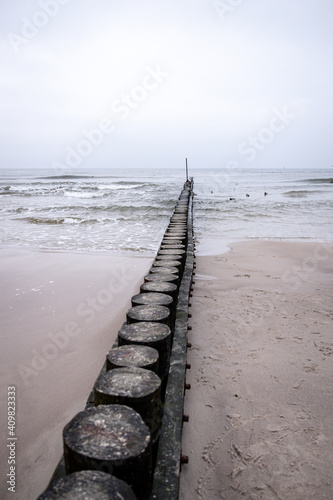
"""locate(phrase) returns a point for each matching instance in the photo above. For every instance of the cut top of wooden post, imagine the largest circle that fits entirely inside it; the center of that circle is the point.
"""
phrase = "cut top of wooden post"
(127, 383)
(108, 433)
(92, 484)
(144, 332)
(153, 313)
(154, 298)
(159, 286)
(133, 355)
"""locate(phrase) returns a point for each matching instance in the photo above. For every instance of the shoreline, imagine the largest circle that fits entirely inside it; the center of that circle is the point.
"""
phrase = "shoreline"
(94, 253)
(260, 403)
(210, 246)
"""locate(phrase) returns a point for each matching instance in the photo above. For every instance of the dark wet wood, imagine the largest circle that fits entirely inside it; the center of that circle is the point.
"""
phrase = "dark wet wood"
(164, 269)
(169, 257)
(158, 299)
(171, 252)
(167, 263)
(113, 439)
(177, 239)
(167, 470)
(89, 484)
(176, 230)
(159, 286)
(172, 278)
(171, 245)
(154, 335)
(174, 239)
(133, 356)
(160, 314)
(134, 387)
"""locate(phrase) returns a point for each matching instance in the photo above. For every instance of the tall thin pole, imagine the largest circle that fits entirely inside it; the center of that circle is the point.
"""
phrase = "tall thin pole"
(186, 171)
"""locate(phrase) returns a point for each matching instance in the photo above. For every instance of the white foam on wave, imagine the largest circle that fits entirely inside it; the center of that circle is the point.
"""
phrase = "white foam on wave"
(117, 187)
(77, 194)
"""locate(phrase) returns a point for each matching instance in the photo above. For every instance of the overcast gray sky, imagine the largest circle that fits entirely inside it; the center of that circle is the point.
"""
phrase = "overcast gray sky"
(109, 83)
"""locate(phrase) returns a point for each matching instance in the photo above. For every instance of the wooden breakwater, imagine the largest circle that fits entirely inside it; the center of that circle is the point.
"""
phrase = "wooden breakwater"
(127, 440)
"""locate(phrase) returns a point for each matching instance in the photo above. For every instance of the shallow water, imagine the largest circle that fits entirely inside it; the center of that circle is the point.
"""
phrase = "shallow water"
(127, 211)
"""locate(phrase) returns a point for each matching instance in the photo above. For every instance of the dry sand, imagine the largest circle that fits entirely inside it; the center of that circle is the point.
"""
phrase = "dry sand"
(261, 403)
(60, 314)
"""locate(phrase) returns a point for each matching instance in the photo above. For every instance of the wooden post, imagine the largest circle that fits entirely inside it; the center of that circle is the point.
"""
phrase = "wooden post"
(164, 269)
(171, 278)
(154, 313)
(134, 387)
(160, 287)
(91, 484)
(154, 299)
(112, 439)
(133, 355)
(179, 252)
(168, 263)
(155, 335)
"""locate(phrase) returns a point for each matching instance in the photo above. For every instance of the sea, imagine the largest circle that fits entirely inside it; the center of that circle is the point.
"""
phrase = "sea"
(127, 211)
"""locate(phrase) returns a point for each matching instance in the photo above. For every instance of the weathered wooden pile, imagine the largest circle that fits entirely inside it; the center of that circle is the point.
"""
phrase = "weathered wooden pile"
(127, 442)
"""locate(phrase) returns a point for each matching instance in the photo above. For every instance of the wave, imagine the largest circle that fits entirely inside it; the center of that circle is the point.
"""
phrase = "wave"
(66, 177)
(61, 220)
(6, 190)
(79, 194)
(143, 208)
(58, 220)
(19, 210)
(120, 185)
(126, 182)
(299, 194)
(327, 180)
(68, 188)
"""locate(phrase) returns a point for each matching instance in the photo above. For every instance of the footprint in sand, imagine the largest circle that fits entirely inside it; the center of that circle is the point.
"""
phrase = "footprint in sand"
(235, 420)
(299, 384)
(310, 368)
(326, 349)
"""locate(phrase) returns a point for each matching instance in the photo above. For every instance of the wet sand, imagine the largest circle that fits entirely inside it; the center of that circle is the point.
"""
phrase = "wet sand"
(261, 402)
(60, 314)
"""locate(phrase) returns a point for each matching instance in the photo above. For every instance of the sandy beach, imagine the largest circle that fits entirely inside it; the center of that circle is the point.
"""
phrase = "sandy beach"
(261, 400)
(60, 313)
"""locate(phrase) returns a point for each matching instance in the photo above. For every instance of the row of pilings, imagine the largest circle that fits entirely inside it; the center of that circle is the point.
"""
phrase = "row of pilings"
(127, 442)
